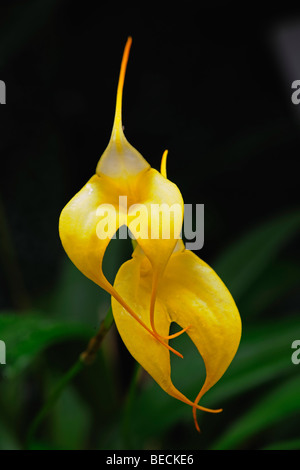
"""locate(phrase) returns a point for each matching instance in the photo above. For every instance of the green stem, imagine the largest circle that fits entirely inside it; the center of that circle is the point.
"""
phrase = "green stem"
(89, 355)
(86, 358)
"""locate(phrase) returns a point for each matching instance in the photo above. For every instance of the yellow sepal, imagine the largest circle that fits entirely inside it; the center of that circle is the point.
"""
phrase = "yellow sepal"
(192, 295)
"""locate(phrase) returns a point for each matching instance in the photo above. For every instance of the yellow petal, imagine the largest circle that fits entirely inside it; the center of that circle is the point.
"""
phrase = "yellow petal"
(80, 233)
(133, 282)
(78, 227)
(161, 215)
(120, 159)
(196, 296)
(122, 172)
(80, 220)
(81, 228)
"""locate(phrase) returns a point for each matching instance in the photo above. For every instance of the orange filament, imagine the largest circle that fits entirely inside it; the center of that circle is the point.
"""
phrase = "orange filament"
(118, 112)
(197, 407)
(152, 308)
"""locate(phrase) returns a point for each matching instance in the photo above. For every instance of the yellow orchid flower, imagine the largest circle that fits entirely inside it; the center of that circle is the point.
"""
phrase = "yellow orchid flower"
(163, 282)
(121, 173)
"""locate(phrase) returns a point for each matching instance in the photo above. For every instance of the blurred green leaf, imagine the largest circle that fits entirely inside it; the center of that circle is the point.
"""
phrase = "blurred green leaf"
(27, 335)
(278, 404)
(76, 298)
(264, 354)
(71, 420)
(7, 440)
(293, 444)
(278, 282)
(241, 264)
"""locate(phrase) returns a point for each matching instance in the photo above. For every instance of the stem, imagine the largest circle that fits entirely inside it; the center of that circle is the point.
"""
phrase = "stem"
(89, 355)
(86, 358)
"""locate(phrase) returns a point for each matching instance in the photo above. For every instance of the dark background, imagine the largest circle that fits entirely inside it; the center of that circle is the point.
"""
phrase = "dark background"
(210, 84)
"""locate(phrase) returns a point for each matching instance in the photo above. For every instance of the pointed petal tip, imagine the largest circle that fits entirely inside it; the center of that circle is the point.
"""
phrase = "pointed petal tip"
(163, 165)
(120, 159)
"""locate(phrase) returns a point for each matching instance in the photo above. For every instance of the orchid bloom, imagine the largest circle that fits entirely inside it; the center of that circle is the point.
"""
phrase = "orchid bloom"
(163, 282)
